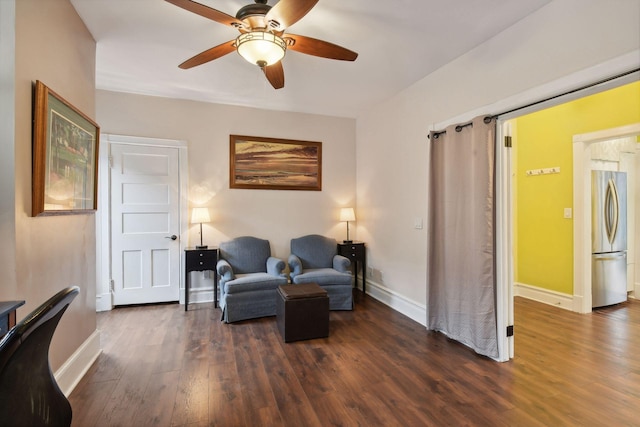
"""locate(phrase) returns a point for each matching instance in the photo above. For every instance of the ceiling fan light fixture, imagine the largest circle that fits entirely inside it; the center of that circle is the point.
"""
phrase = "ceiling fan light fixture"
(261, 48)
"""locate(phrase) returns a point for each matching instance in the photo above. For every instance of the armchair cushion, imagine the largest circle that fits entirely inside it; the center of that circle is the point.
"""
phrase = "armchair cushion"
(246, 254)
(314, 251)
(323, 276)
(252, 282)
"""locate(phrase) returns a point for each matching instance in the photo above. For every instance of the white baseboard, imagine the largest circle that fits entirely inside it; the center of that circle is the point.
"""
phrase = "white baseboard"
(72, 371)
(556, 299)
(200, 295)
(103, 302)
(578, 307)
(411, 309)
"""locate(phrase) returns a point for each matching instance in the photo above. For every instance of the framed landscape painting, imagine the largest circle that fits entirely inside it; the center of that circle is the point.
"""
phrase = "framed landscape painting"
(65, 156)
(275, 164)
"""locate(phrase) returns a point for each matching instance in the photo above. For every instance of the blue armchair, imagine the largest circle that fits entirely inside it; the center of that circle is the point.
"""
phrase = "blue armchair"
(249, 279)
(315, 259)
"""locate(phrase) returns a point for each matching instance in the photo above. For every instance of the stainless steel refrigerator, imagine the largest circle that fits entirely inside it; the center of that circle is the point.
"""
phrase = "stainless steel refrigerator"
(608, 237)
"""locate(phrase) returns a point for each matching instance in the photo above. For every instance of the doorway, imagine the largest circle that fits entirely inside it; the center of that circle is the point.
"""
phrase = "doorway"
(143, 221)
(584, 147)
(551, 208)
(506, 190)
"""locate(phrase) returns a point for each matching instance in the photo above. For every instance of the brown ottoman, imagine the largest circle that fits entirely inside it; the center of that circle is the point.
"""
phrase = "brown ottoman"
(302, 312)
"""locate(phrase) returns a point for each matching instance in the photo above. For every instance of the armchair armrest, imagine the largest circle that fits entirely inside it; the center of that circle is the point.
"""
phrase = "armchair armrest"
(341, 263)
(225, 272)
(295, 265)
(275, 266)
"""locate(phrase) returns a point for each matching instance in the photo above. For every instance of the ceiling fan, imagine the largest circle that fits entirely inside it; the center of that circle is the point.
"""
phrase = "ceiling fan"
(262, 40)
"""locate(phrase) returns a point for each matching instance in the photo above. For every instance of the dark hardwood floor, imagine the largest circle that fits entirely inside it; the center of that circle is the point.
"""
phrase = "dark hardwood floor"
(164, 367)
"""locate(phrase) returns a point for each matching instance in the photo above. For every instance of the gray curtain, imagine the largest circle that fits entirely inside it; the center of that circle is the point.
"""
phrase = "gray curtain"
(461, 241)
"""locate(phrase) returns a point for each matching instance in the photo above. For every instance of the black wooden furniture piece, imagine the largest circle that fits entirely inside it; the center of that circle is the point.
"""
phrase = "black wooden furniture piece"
(200, 260)
(302, 312)
(8, 315)
(355, 251)
(29, 394)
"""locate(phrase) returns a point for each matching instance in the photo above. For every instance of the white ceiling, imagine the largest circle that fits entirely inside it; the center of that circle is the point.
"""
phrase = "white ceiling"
(141, 42)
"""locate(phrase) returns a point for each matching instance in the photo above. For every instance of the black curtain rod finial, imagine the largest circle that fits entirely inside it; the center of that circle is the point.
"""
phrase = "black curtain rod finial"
(436, 135)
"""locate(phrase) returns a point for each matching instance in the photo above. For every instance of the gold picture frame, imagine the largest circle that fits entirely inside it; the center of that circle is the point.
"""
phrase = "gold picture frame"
(274, 164)
(65, 156)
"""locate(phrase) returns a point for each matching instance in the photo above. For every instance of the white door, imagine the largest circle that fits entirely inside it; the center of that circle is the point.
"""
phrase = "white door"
(145, 224)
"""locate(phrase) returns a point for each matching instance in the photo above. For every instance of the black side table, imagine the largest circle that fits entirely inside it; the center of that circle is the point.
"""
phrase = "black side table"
(200, 260)
(356, 253)
(8, 315)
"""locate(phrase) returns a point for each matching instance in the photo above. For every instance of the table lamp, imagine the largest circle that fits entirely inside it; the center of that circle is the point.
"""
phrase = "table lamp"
(198, 216)
(346, 215)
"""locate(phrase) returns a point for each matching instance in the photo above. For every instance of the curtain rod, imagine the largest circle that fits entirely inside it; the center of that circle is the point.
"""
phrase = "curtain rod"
(551, 98)
(459, 127)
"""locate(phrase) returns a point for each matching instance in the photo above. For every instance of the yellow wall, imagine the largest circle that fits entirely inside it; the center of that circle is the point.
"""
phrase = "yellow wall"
(543, 237)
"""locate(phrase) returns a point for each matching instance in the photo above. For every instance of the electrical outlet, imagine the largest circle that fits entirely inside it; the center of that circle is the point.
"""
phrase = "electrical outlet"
(370, 272)
(376, 275)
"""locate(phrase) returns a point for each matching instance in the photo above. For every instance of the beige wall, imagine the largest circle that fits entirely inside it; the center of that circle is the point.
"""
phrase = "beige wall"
(7, 151)
(54, 46)
(562, 38)
(274, 215)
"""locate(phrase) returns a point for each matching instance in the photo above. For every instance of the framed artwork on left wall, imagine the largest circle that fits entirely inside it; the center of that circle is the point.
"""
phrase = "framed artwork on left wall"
(65, 156)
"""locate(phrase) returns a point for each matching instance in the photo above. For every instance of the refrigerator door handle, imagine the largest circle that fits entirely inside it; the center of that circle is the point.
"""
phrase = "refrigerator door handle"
(611, 211)
(609, 256)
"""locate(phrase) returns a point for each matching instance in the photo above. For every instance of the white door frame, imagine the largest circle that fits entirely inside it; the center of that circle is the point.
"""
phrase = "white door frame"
(504, 242)
(104, 298)
(582, 213)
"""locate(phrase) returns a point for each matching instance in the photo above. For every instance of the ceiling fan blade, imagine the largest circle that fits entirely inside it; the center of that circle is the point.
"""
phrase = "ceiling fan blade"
(275, 75)
(209, 55)
(320, 48)
(287, 12)
(208, 12)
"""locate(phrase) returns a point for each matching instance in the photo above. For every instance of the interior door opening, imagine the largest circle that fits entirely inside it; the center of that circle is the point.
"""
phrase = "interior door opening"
(511, 171)
(145, 221)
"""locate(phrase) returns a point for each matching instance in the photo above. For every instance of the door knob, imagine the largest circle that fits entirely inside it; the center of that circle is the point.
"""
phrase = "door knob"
(172, 237)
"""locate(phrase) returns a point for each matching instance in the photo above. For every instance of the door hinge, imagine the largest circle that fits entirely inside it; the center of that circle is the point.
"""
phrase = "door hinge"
(507, 142)
(510, 331)
(110, 162)
(112, 286)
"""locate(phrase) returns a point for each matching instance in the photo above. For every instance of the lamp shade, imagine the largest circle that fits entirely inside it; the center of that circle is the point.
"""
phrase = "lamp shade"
(200, 215)
(261, 48)
(347, 214)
